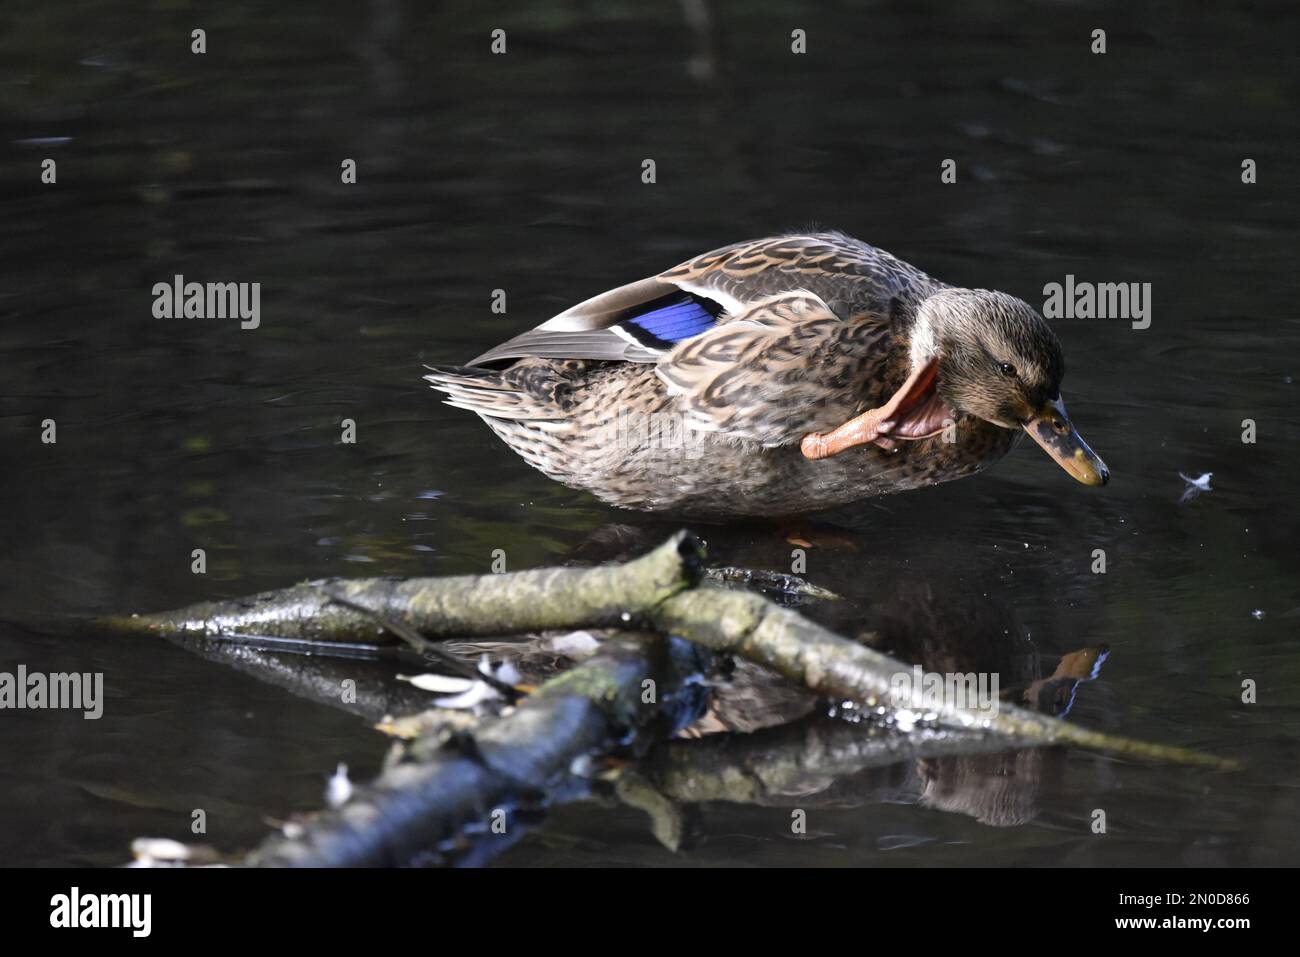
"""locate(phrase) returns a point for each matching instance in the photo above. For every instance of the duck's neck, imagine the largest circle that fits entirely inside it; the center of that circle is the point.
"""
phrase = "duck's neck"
(941, 320)
(923, 339)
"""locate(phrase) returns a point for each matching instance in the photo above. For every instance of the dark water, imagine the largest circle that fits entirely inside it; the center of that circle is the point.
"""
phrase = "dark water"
(522, 172)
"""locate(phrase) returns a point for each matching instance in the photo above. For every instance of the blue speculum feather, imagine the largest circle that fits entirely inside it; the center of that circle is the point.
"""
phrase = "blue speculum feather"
(674, 322)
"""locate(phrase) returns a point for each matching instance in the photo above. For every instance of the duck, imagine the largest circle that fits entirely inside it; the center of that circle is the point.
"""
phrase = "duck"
(775, 378)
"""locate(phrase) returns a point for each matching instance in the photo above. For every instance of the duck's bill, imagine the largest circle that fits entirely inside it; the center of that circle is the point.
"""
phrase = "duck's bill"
(1051, 428)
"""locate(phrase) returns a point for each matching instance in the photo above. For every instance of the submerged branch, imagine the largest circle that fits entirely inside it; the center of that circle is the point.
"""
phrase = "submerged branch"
(526, 754)
(774, 765)
(740, 623)
(523, 758)
(654, 591)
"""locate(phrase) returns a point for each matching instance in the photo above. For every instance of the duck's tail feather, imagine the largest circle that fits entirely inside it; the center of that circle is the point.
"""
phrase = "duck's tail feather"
(521, 404)
(513, 394)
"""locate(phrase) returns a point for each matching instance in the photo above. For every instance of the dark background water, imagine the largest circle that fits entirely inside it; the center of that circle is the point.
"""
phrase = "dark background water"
(522, 172)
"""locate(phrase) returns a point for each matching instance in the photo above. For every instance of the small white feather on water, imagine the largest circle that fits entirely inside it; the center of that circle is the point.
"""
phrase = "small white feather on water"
(479, 692)
(507, 673)
(339, 789)
(439, 684)
(1195, 486)
(159, 849)
(576, 644)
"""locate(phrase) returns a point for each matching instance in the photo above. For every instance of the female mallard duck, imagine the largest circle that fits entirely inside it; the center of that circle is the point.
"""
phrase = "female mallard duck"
(775, 378)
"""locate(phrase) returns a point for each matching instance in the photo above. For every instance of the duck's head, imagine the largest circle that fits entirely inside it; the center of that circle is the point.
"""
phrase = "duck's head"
(997, 359)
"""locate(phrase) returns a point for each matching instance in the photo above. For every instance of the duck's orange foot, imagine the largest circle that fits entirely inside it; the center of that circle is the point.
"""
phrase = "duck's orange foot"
(861, 430)
(875, 425)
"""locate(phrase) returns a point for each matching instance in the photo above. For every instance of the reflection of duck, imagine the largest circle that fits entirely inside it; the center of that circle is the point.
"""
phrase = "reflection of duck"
(996, 789)
(775, 377)
(1002, 789)
(916, 609)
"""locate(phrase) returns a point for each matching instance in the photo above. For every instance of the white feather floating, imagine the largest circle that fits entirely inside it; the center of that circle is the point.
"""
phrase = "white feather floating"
(439, 684)
(479, 692)
(339, 788)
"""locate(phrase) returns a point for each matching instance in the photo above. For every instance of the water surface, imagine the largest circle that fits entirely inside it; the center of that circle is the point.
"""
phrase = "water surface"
(522, 172)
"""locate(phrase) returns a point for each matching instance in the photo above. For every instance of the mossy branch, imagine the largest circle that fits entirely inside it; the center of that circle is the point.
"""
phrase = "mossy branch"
(607, 596)
(749, 625)
(655, 591)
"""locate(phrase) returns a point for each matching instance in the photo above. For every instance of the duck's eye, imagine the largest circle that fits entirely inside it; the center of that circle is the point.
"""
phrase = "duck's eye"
(1007, 369)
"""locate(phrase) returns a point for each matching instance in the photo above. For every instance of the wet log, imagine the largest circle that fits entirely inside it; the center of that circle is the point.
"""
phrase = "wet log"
(523, 759)
(738, 623)
(785, 766)
(657, 592)
(606, 596)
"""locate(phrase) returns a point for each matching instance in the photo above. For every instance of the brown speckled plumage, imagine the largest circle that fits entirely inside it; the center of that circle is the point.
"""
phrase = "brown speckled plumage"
(813, 330)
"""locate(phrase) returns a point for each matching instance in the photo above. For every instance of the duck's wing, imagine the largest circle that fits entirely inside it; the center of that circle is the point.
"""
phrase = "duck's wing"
(849, 276)
(645, 320)
(780, 369)
(638, 322)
